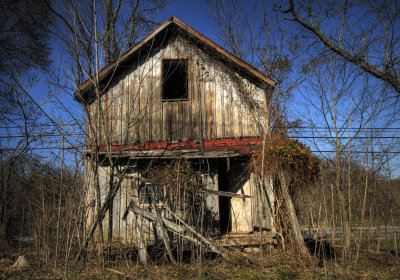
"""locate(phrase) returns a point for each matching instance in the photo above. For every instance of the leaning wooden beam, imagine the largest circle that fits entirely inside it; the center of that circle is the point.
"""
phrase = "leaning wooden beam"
(198, 238)
(153, 217)
(198, 235)
(163, 234)
(226, 194)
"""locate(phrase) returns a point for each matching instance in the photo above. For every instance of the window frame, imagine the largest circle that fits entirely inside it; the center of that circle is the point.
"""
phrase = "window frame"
(178, 60)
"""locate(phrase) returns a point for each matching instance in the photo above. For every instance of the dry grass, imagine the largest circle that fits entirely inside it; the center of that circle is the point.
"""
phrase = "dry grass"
(275, 265)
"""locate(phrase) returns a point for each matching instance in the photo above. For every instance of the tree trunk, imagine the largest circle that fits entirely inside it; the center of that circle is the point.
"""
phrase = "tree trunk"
(292, 215)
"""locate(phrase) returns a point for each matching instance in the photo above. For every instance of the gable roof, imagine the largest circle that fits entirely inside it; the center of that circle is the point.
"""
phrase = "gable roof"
(175, 22)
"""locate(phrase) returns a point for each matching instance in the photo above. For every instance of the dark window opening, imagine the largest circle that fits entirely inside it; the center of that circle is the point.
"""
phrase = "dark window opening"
(175, 79)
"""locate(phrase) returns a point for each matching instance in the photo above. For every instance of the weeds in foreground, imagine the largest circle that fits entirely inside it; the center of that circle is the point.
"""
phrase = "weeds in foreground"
(275, 265)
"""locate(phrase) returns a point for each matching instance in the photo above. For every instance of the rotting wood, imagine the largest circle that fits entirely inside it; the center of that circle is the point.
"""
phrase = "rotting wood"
(158, 154)
(163, 234)
(153, 217)
(196, 238)
(196, 234)
(227, 194)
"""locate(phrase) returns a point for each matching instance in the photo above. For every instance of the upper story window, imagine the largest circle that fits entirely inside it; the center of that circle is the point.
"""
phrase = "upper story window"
(175, 79)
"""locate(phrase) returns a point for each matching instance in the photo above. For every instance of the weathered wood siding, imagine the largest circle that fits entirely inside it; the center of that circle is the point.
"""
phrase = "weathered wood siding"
(133, 111)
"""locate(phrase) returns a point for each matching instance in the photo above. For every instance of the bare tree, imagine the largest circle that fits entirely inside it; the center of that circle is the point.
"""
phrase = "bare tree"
(364, 33)
(257, 35)
(340, 99)
(93, 34)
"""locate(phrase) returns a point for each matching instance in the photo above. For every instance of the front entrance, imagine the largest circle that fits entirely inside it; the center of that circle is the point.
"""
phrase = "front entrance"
(236, 213)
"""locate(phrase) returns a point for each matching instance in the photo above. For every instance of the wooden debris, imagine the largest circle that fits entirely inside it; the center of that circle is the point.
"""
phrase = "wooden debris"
(153, 217)
(198, 235)
(163, 234)
(193, 236)
(226, 194)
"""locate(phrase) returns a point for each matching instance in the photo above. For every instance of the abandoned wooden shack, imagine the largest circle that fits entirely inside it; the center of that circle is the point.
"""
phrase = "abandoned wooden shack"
(176, 95)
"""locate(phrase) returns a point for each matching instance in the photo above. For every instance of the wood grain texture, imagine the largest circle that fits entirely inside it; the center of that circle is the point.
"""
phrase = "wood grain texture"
(215, 108)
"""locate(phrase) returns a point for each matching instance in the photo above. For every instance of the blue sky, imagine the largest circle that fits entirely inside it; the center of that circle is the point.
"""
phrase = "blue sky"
(196, 14)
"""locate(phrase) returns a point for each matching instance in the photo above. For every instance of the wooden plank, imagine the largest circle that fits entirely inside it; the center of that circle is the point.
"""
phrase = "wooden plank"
(209, 110)
(142, 107)
(196, 105)
(156, 99)
(153, 217)
(124, 109)
(189, 121)
(226, 194)
(174, 120)
(135, 113)
(229, 113)
(222, 108)
(216, 119)
(218, 101)
(196, 234)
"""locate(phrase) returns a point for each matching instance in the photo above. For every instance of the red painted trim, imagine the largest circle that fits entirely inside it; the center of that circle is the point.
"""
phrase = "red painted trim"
(242, 146)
